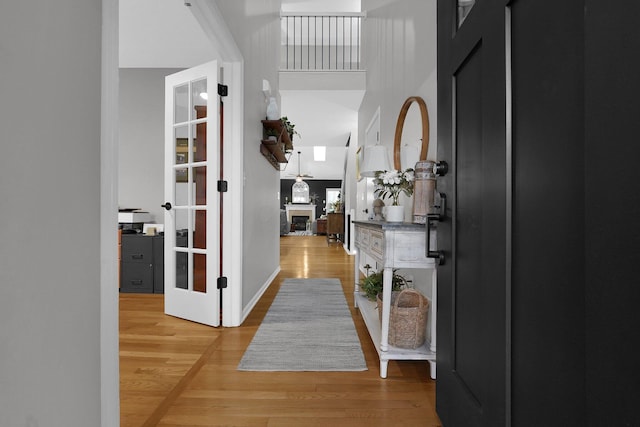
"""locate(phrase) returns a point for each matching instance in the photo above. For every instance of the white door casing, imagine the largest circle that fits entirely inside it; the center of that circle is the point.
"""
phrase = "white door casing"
(366, 197)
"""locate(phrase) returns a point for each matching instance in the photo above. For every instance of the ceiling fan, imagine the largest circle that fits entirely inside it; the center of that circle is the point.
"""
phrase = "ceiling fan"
(300, 176)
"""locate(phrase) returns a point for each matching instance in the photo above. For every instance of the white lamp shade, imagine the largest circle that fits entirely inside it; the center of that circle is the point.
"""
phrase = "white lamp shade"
(376, 158)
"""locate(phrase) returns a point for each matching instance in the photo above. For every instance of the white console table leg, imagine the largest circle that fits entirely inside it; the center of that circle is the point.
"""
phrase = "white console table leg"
(356, 276)
(384, 364)
(387, 277)
(432, 369)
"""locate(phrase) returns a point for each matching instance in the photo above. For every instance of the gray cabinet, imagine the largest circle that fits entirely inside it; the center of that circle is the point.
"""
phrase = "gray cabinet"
(142, 264)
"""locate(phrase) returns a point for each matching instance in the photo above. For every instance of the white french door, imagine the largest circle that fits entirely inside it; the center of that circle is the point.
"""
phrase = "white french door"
(192, 232)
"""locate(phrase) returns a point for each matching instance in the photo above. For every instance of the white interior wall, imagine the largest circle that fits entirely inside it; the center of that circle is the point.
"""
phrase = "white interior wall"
(255, 26)
(141, 148)
(400, 58)
(160, 34)
(50, 116)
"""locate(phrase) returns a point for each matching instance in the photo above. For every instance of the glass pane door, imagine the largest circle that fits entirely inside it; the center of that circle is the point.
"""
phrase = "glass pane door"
(190, 256)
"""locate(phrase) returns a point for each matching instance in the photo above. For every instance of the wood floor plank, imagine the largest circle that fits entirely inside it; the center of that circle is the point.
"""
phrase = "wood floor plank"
(178, 373)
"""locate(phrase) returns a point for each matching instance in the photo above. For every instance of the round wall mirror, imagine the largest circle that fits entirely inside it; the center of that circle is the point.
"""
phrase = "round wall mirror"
(423, 126)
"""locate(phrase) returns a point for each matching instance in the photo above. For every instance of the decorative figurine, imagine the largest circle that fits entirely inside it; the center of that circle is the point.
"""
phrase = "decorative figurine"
(377, 210)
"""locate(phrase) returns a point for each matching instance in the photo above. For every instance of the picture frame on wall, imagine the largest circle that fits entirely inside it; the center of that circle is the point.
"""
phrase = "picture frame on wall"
(359, 162)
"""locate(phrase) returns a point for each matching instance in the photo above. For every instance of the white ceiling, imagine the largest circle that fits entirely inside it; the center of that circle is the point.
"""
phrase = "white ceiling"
(323, 118)
(165, 34)
(160, 34)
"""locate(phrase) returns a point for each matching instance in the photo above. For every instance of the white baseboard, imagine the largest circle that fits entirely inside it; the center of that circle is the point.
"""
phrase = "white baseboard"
(249, 307)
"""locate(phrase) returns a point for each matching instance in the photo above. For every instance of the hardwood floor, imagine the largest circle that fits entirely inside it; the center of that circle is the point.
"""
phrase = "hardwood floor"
(178, 373)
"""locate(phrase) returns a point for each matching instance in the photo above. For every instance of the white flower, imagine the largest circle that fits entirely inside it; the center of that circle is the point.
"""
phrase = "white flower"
(392, 183)
(390, 177)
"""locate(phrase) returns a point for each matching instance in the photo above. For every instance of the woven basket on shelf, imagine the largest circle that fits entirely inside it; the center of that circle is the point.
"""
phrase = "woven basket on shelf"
(407, 318)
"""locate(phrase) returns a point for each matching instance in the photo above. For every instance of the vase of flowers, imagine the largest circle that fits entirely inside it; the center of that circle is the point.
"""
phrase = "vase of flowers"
(390, 184)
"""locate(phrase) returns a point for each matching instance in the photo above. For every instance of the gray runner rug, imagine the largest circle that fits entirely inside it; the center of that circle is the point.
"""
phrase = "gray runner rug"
(307, 328)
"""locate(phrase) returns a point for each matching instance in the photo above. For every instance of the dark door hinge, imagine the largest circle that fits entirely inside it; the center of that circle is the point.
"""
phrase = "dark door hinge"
(223, 187)
(223, 90)
(222, 282)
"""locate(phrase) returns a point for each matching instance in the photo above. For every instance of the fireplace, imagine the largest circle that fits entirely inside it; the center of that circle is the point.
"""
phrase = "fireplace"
(299, 222)
(294, 209)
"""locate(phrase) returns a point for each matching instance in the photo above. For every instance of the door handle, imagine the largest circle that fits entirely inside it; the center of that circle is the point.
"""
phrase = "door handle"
(431, 217)
(167, 206)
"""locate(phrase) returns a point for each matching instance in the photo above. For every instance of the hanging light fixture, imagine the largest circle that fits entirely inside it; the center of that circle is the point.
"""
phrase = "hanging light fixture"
(300, 176)
(300, 189)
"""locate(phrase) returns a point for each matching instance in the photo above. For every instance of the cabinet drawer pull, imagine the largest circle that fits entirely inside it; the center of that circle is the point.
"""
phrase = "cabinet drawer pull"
(136, 282)
(137, 256)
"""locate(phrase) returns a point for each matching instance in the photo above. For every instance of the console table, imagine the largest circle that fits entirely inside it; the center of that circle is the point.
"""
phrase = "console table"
(394, 245)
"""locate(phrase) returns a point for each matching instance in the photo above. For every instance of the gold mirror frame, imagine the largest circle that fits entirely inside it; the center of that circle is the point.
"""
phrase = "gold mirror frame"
(397, 164)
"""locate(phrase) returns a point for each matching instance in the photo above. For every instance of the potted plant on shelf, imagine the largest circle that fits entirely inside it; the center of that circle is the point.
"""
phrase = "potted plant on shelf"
(390, 184)
(272, 134)
(290, 128)
(371, 285)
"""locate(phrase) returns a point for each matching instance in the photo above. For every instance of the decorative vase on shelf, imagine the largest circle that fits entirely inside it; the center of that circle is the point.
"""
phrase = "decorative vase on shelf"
(272, 110)
(393, 213)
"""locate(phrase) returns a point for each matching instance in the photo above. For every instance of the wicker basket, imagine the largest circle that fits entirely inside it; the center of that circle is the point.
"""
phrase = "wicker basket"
(407, 318)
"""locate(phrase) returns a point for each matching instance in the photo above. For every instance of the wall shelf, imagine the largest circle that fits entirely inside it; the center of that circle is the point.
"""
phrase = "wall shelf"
(275, 151)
